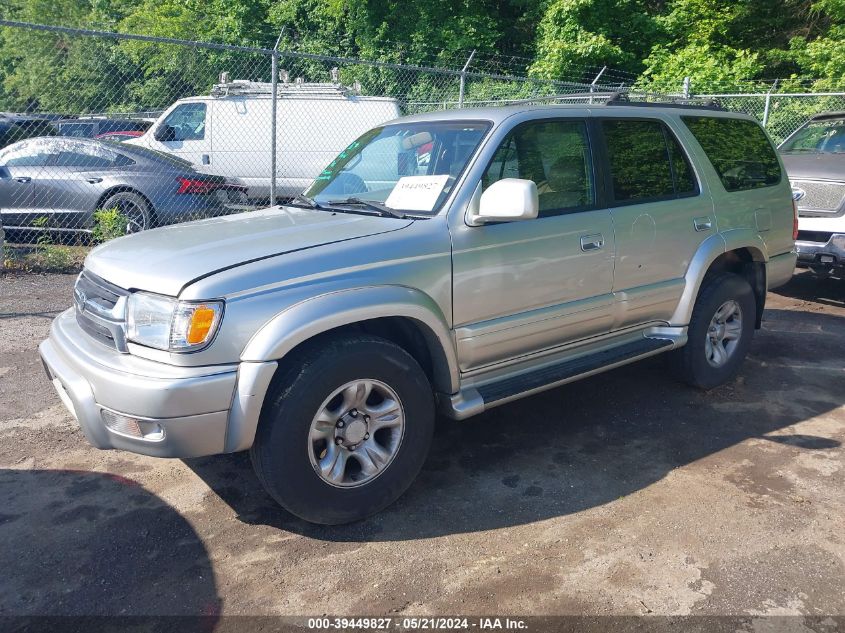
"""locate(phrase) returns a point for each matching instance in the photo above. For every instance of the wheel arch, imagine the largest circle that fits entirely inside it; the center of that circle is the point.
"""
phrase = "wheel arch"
(406, 316)
(740, 252)
(128, 189)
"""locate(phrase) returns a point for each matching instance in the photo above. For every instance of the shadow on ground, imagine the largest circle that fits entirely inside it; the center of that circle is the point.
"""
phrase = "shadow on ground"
(585, 444)
(808, 287)
(91, 544)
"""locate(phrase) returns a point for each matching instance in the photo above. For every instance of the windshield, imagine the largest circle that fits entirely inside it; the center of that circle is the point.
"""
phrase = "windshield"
(408, 167)
(826, 135)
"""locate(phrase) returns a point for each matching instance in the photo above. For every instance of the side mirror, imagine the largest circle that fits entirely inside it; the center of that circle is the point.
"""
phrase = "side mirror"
(165, 133)
(509, 199)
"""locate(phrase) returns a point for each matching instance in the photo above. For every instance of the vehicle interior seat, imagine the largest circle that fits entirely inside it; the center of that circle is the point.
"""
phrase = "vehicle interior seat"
(566, 185)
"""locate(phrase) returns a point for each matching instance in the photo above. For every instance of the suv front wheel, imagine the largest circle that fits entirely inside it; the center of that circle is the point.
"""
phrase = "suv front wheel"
(345, 430)
(719, 333)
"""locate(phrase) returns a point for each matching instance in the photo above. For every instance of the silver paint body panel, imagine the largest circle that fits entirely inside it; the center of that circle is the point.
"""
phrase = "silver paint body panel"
(490, 301)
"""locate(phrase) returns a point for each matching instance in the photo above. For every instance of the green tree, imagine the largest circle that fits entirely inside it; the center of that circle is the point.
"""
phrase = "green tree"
(573, 34)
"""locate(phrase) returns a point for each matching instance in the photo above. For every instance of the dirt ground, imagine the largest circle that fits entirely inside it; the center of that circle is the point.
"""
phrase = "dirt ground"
(627, 493)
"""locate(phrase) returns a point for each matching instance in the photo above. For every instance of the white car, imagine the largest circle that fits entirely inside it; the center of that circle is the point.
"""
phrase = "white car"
(814, 157)
(229, 132)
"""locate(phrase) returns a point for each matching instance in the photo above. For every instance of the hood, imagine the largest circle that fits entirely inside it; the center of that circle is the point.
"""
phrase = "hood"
(815, 166)
(167, 259)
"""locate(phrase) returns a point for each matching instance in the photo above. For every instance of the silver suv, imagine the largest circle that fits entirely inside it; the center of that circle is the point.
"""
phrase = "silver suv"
(453, 261)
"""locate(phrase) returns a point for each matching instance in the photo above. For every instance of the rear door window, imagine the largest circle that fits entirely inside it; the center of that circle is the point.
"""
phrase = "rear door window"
(82, 156)
(739, 151)
(646, 162)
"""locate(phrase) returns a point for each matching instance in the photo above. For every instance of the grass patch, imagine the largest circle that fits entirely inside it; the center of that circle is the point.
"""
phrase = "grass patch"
(43, 258)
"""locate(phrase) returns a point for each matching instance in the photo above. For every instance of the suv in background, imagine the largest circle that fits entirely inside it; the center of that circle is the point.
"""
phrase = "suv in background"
(814, 156)
(96, 127)
(458, 259)
(17, 127)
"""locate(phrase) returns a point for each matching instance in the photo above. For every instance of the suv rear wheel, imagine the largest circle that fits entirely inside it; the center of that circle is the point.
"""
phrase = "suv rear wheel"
(720, 332)
(345, 430)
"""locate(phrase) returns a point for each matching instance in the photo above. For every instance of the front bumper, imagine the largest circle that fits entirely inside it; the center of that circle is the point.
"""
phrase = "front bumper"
(829, 255)
(185, 411)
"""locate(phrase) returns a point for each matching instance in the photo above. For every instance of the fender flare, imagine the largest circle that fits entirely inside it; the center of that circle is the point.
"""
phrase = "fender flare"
(306, 319)
(708, 251)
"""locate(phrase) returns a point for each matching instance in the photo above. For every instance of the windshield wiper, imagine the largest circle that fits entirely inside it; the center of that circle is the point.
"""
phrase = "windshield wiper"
(375, 206)
(309, 202)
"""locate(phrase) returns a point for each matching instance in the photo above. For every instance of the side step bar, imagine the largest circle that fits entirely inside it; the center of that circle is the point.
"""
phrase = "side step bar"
(474, 400)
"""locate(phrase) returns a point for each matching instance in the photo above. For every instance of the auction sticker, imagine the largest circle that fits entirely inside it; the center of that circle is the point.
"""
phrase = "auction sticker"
(416, 193)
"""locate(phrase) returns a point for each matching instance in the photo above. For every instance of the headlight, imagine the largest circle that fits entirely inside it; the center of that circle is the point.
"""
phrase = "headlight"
(168, 324)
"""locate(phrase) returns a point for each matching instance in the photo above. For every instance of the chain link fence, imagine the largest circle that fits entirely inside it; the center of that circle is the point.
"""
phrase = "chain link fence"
(102, 134)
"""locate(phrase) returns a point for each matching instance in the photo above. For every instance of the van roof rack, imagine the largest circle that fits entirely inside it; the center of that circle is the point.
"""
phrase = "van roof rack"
(621, 99)
(247, 87)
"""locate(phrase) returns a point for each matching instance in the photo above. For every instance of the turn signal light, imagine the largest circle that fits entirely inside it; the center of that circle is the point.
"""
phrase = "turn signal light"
(201, 323)
(794, 221)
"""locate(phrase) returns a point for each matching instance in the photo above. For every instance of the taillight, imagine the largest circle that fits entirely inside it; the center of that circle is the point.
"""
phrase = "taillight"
(197, 186)
(794, 221)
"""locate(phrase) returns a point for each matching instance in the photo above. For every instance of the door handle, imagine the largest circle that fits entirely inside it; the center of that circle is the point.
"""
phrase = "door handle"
(592, 242)
(206, 159)
(23, 179)
(93, 181)
(703, 224)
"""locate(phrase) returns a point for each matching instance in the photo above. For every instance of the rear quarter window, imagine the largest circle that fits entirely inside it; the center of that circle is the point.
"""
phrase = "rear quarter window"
(739, 151)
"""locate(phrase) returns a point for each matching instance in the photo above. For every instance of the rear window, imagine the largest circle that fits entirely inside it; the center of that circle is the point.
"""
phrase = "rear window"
(79, 130)
(136, 151)
(646, 162)
(739, 150)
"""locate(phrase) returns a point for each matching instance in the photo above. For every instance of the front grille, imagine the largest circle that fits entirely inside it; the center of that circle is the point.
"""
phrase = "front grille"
(101, 310)
(819, 196)
(821, 237)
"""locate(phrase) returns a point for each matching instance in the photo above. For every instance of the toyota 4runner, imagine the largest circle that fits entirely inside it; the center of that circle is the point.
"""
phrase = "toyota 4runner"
(454, 261)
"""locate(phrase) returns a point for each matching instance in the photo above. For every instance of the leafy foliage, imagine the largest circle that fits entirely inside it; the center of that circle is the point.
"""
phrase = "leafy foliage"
(108, 225)
(715, 42)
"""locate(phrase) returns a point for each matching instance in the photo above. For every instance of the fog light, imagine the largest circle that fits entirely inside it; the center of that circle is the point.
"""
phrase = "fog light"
(132, 427)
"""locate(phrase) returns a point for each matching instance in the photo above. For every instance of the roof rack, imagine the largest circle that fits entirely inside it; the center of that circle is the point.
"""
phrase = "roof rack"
(621, 99)
(298, 87)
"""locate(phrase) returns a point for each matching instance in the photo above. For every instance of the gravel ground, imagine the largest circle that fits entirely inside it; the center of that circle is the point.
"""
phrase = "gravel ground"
(626, 493)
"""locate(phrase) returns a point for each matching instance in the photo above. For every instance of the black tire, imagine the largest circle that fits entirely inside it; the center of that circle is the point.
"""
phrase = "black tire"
(282, 448)
(691, 362)
(134, 206)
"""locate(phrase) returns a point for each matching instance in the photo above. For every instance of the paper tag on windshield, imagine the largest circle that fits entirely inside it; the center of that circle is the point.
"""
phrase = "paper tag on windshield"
(416, 193)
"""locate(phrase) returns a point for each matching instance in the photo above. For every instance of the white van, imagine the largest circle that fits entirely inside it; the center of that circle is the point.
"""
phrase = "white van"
(228, 133)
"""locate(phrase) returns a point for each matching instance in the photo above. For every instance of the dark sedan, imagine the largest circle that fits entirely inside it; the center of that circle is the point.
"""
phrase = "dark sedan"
(96, 127)
(58, 183)
(16, 127)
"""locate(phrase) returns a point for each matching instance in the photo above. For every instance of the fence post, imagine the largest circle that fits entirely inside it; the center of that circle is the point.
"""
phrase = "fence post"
(274, 82)
(464, 79)
(769, 103)
(687, 82)
(595, 81)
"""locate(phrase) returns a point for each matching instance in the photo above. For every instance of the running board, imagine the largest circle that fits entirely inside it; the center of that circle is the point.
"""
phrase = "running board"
(474, 400)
